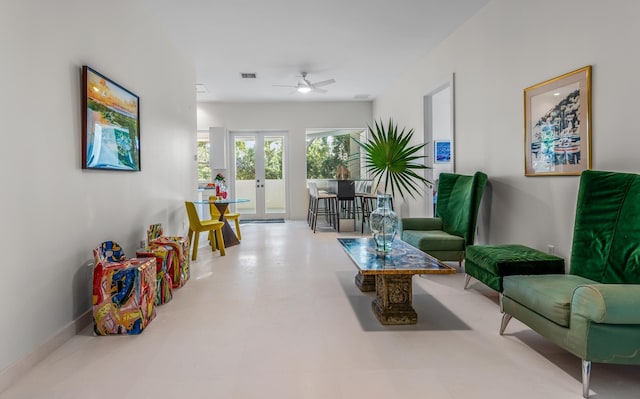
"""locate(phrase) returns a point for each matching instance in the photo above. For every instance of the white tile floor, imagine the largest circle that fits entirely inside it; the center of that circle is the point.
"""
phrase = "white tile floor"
(280, 317)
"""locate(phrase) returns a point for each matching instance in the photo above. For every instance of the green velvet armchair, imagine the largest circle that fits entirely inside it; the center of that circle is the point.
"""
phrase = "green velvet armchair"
(446, 236)
(591, 312)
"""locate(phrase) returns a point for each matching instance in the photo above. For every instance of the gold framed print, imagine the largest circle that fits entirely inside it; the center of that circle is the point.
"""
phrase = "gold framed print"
(557, 125)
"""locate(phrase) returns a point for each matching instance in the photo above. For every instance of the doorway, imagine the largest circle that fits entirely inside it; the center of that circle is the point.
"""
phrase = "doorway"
(259, 173)
(439, 127)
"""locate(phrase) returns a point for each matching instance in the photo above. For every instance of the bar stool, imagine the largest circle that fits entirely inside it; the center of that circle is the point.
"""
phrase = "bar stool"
(329, 209)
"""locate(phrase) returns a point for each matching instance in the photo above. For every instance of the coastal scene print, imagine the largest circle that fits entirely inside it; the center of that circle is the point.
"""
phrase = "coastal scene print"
(557, 126)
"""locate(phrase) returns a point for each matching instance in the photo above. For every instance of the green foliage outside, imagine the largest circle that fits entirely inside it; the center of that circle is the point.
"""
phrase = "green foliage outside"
(204, 168)
(324, 154)
(273, 159)
(246, 160)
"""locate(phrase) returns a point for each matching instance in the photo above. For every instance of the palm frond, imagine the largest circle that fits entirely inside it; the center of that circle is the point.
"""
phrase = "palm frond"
(392, 161)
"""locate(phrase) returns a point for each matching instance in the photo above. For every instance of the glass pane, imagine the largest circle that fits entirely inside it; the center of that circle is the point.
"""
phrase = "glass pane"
(332, 153)
(245, 173)
(274, 175)
(204, 168)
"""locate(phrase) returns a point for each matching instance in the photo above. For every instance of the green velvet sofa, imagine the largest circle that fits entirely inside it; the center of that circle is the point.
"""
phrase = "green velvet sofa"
(593, 312)
(446, 236)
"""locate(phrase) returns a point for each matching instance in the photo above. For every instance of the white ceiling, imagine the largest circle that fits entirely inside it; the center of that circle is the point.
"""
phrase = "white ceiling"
(363, 44)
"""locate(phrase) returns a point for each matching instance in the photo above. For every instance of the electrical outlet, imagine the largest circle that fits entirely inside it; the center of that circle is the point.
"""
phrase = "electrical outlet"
(551, 249)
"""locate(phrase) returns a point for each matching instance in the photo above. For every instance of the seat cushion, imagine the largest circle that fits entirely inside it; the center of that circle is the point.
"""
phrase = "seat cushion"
(433, 240)
(504, 260)
(549, 295)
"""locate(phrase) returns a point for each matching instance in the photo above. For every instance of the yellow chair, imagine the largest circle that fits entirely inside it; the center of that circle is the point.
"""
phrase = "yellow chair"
(197, 226)
(215, 215)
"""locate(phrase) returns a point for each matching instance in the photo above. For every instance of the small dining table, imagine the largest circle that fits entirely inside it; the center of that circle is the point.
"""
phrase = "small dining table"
(229, 236)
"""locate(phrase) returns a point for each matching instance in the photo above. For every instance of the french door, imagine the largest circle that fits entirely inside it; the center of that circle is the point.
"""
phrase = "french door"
(259, 173)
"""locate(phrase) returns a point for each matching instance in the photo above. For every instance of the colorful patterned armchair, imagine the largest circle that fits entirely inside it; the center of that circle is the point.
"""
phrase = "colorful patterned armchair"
(179, 271)
(124, 291)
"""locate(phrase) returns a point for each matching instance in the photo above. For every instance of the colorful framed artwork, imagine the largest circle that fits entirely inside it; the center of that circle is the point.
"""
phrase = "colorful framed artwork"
(442, 151)
(557, 125)
(110, 124)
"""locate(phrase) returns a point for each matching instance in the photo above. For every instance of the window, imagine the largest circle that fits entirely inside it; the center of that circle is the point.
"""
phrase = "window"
(329, 150)
(204, 154)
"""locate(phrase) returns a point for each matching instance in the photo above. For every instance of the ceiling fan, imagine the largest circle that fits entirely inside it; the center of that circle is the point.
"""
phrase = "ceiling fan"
(305, 86)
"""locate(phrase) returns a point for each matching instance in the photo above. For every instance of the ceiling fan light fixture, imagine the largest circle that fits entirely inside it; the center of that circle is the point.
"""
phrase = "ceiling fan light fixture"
(304, 89)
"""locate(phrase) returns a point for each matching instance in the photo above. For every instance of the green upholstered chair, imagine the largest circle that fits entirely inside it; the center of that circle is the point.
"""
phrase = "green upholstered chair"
(593, 311)
(446, 236)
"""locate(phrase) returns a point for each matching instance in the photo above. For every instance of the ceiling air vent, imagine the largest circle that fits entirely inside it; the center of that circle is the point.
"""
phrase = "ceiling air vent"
(200, 88)
(248, 75)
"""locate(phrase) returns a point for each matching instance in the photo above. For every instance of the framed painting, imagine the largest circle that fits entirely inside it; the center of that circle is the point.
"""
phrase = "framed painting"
(557, 125)
(110, 124)
(442, 150)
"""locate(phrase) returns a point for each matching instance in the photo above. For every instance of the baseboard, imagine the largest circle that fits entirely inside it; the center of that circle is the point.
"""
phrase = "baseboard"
(14, 372)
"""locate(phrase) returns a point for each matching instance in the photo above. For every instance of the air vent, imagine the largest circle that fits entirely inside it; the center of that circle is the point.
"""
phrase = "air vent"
(200, 88)
(248, 75)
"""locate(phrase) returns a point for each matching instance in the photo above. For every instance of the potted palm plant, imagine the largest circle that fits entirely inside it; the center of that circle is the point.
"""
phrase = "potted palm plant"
(393, 162)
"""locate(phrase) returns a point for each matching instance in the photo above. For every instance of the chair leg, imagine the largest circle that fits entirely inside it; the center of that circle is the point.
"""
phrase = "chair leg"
(586, 376)
(314, 217)
(195, 245)
(220, 241)
(505, 320)
(238, 229)
(190, 236)
(213, 241)
(467, 278)
(336, 214)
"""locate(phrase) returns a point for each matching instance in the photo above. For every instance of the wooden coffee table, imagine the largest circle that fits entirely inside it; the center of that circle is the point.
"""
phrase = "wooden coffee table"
(390, 275)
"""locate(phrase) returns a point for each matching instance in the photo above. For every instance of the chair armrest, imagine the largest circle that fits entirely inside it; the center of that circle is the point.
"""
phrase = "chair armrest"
(421, 224)
(608, 303)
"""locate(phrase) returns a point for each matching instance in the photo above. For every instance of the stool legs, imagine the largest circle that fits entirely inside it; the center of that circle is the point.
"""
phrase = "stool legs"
(329, 211)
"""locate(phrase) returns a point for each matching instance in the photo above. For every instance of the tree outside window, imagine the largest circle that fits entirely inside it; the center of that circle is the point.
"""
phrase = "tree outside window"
(204, 167)
(326, 150)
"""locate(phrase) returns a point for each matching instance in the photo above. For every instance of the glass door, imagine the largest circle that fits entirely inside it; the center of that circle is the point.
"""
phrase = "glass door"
(259, 173)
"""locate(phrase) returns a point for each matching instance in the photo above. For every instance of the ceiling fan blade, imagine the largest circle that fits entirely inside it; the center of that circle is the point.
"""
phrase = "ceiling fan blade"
(324, 82)
(284, 86)
(316, 90)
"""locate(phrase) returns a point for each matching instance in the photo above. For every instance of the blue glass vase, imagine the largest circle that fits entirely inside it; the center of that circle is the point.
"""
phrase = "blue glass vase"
(383, 222)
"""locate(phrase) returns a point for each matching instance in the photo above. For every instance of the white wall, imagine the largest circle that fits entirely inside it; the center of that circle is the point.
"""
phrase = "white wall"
(291, 117)
(54, 213)
(510, 45)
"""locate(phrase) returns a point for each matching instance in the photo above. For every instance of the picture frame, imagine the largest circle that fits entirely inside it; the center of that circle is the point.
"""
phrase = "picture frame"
(557, 125)
(110, 124)
(442, 151)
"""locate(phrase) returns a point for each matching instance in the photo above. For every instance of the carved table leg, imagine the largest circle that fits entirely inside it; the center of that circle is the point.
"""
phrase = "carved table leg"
(393, 299)
(366, 283)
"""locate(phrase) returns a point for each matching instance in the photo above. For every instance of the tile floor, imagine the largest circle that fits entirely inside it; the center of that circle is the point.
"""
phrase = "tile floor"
(280, 317)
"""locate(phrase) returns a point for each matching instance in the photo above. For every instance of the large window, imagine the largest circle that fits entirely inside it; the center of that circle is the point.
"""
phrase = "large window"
(329, 150)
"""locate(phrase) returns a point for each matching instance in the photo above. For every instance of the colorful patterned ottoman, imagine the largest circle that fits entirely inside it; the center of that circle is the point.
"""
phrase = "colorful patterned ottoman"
(180, 271)
(124, 295)
(164, 260)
